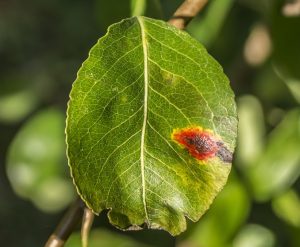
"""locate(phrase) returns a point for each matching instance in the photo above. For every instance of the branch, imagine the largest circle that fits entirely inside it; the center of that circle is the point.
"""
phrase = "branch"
(186, 12)
(67, 224)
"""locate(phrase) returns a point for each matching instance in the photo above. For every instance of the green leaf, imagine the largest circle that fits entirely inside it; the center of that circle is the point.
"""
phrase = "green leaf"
(18, 98)
(143, 83)
(280, 160)
(294, 87)
(292, 84)
(35, 162)
(251, 131)
(254, 236)
(287, 207)
(225, 217)
(271, 88)
(16, 106)
(206, 29)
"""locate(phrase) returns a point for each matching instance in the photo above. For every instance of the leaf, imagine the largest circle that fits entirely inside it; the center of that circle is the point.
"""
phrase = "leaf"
(16, 106)
(144, 83)
(251, 131)
(255, 236)
(287, 207)
(35, 162)
(227, 214)
(292, 84)
(294, 87)
(18, 98)
(206, 29)
(280, 160)
(270, 87)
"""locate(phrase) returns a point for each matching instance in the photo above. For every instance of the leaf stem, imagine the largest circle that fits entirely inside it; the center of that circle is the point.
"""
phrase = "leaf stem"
(186, 12)
(87, 221)
(67, 224)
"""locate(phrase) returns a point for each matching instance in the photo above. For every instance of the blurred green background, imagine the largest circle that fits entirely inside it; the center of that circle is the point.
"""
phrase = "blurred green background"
(42, 45)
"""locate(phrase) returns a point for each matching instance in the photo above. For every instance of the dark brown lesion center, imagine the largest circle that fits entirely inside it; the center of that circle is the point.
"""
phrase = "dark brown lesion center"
(202, 144)
(223, 153)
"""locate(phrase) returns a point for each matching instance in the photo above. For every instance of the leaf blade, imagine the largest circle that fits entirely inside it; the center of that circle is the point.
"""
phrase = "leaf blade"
(129, 96)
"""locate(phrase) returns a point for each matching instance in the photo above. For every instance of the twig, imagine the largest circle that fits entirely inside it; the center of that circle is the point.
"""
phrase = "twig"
(67, 224)
(87, 221)
(186, 12)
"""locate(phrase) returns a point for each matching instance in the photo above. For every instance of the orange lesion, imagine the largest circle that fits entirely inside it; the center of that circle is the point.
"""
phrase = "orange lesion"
(201, 143)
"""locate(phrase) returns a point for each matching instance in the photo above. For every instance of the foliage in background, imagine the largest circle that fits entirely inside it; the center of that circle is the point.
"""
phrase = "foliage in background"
(42, 44)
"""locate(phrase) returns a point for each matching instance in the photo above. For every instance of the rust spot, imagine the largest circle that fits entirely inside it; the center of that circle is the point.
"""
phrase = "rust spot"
(202, 144)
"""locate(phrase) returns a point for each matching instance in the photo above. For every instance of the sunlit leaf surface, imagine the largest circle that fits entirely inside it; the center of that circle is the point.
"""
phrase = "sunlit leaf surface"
(151, 126)
(227, 214)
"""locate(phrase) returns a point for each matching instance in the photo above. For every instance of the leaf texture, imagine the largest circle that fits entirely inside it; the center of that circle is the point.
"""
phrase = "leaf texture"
(141, 82)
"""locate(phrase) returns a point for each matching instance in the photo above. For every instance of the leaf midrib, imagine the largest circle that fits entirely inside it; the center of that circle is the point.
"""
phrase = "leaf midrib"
(146, 84)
